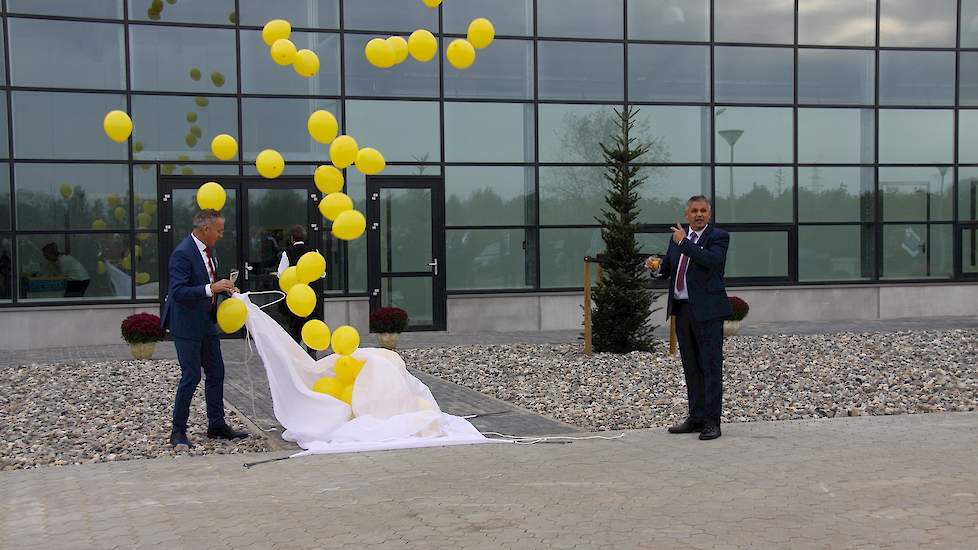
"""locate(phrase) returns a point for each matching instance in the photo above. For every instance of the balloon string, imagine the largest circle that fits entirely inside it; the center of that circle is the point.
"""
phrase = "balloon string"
(250, 353)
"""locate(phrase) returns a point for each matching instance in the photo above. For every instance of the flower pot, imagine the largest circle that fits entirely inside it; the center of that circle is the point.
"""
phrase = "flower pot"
(731, 327)
(143, 350)
(388, 339)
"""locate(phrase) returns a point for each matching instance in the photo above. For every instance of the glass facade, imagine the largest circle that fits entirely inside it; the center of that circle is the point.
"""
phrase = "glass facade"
(836, 137)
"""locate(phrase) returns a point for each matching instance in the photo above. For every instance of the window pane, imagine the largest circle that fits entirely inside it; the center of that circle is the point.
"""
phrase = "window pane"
(591, 71)
(835, 194)
(912, 23)
(967, 136)
(489, 195)
(580, 18)
(916, 136)
(412, 294)
(216, 12)
(261, 75)
(207, 171)
(754, 75)
(572, 133)
(488, 132)
(55, 125)
(504, 70)
(562, 254)
(66, 54)
(763, 21)
(4, 197)
(660, 72)
(669, 20)
(147, 265)
(316, 14)
(916, 78)
(388, 15)
(836, 77)
(4, 143)
(916, 194)
(6, 269)
(410, 78)
(757, 254)
(175, 59)
(969, 25)
(509, 17)
(3, 51)
(969, 251)
(383, 125)
(653, 243)
(968, 94)
(571, 195)
(761, 194)
(145, 206)
(72, 196)
(968, 193)
(100, 9)
(818, 22)
(665, 192)
(488, 259)
(76, 267)
(843, 136)
(280, 124)
(676, 134)
(180, 127)
(835, 253)
(917, 251)
(753, 134)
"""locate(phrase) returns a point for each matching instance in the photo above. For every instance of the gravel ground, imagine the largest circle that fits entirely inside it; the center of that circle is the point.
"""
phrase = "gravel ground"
(99, 412)
(765, 378)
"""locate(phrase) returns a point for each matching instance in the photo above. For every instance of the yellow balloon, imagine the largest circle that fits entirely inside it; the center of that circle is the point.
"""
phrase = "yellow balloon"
(370, 161)
(400, 47)
(322, 126)
(270, 163)
(143, 237)
(224, 147)
(126, 262)
(276, 29)
(481, 32)
(288, 279)
(432, 3)
(149, 207)
(379, 53)
(119, 213)
(117, 125)
(349, 225)
(301, 299)
(113, 200)
(100, 267)
(346, 340)
(310, 267)
(306, 63)
(328, 179)
(328, 385)
(231, 315)
(283, 51)
(335, 204)
(343, 151)
(99, 223)
(211, 195)
(139, 252)
(348, 368)
(144, 220)
(142, 277)
(460, 54)
(66, 191)
(315, 334)
(422, 45)
(346, 395)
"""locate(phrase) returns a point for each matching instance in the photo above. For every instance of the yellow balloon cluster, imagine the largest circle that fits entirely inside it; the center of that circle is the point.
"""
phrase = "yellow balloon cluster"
(231, 315)
(345, 341)
(388, 52)
(276, 34)
(211, 196)
(461, 52)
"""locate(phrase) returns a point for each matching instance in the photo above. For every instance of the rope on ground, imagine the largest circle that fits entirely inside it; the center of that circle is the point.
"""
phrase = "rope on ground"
(558, 439)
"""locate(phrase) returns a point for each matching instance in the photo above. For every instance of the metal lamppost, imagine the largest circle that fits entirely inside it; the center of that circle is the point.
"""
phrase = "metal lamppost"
(731, 137)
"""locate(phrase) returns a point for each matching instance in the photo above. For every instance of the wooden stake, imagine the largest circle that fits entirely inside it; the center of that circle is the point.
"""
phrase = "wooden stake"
(587, 307)
(672, 335)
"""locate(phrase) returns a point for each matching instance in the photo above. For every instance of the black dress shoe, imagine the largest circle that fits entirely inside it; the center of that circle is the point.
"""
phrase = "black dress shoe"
(179, 441)
(225, 432)
(687, 426)
(710, 431)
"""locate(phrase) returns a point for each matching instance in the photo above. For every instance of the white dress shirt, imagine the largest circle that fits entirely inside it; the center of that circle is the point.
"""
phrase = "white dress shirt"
(202, 249)
(684, 293)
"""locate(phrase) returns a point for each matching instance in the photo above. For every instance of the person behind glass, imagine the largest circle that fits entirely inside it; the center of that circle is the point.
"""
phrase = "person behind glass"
(694, 265)
(190, 313)
(290, 257)
(65, 265)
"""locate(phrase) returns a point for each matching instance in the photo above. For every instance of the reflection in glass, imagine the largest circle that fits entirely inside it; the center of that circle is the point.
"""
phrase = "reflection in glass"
(59, 267)
(580, 18)
(4, 197)
(761, 21)
(509, 17)
(916, 78)
(180, 127)
(405, 230)
(968, 78)
(916, 136)
(291, 169)
(917, 251)
(280, 124)
(6, 268)
(383, 125)
(665, 192)
(488, 259)
(4, 143)
(841, 136)
(844, 77)
(489, 132)
(968, 136)
(969, 25)
(969, 250)
(968, 193)
(562, 253)
(760, 194)
(579, 70)
(99, 9)
(922, 193)
(504, 71)
(66, 54)
(145, 206)
(676, 134)
(388, 15)
(753, 134)
(175, 59)
(835, 194)
(757, 254)
(573, 133)
(72, 196)
(332, 249)
(668, 72)
(819, 22)
(185, 206)
(489, 195)
(261, 75)
(147, 265)
(56, 125)
(410, 78)
(412, 294)
(669, 20)
(215, 12)
(571, 195)
(912, 24)
(835, 252)
(753, 75)
(316, 14)
(653, 243)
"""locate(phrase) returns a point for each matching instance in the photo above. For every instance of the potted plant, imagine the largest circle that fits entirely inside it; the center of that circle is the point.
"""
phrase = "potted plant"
(388, 323)
(740, 310)
(142, 331)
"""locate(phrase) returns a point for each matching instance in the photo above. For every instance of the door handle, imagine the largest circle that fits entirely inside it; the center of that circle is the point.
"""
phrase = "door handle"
(247, 270)
(434, 265)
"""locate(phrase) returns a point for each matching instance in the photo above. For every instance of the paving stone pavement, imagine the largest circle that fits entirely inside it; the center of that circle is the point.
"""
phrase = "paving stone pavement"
(906, 481)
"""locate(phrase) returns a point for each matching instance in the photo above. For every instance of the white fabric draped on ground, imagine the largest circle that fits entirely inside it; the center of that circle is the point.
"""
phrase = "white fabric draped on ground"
(391, 408)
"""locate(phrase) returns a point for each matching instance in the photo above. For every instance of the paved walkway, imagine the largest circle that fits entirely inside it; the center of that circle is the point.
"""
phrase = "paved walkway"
(867, 482)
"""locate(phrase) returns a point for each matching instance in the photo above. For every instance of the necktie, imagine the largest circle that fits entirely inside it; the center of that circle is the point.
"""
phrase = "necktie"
(213, 276)
(683, 262)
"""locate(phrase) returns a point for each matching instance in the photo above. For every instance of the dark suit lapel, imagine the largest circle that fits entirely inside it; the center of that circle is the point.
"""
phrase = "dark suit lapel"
(198, 260)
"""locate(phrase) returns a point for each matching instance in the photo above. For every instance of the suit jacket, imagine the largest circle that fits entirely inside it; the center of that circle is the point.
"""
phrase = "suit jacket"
(187, 309)
(704, 273)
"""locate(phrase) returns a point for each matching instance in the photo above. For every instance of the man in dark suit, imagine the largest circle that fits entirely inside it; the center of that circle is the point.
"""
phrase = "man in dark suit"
(190, 313)
(694, 265)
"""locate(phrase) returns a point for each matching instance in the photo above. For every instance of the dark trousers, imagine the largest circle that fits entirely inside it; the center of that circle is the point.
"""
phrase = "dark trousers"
(195, 355)
(701, 348)
(76, 289)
